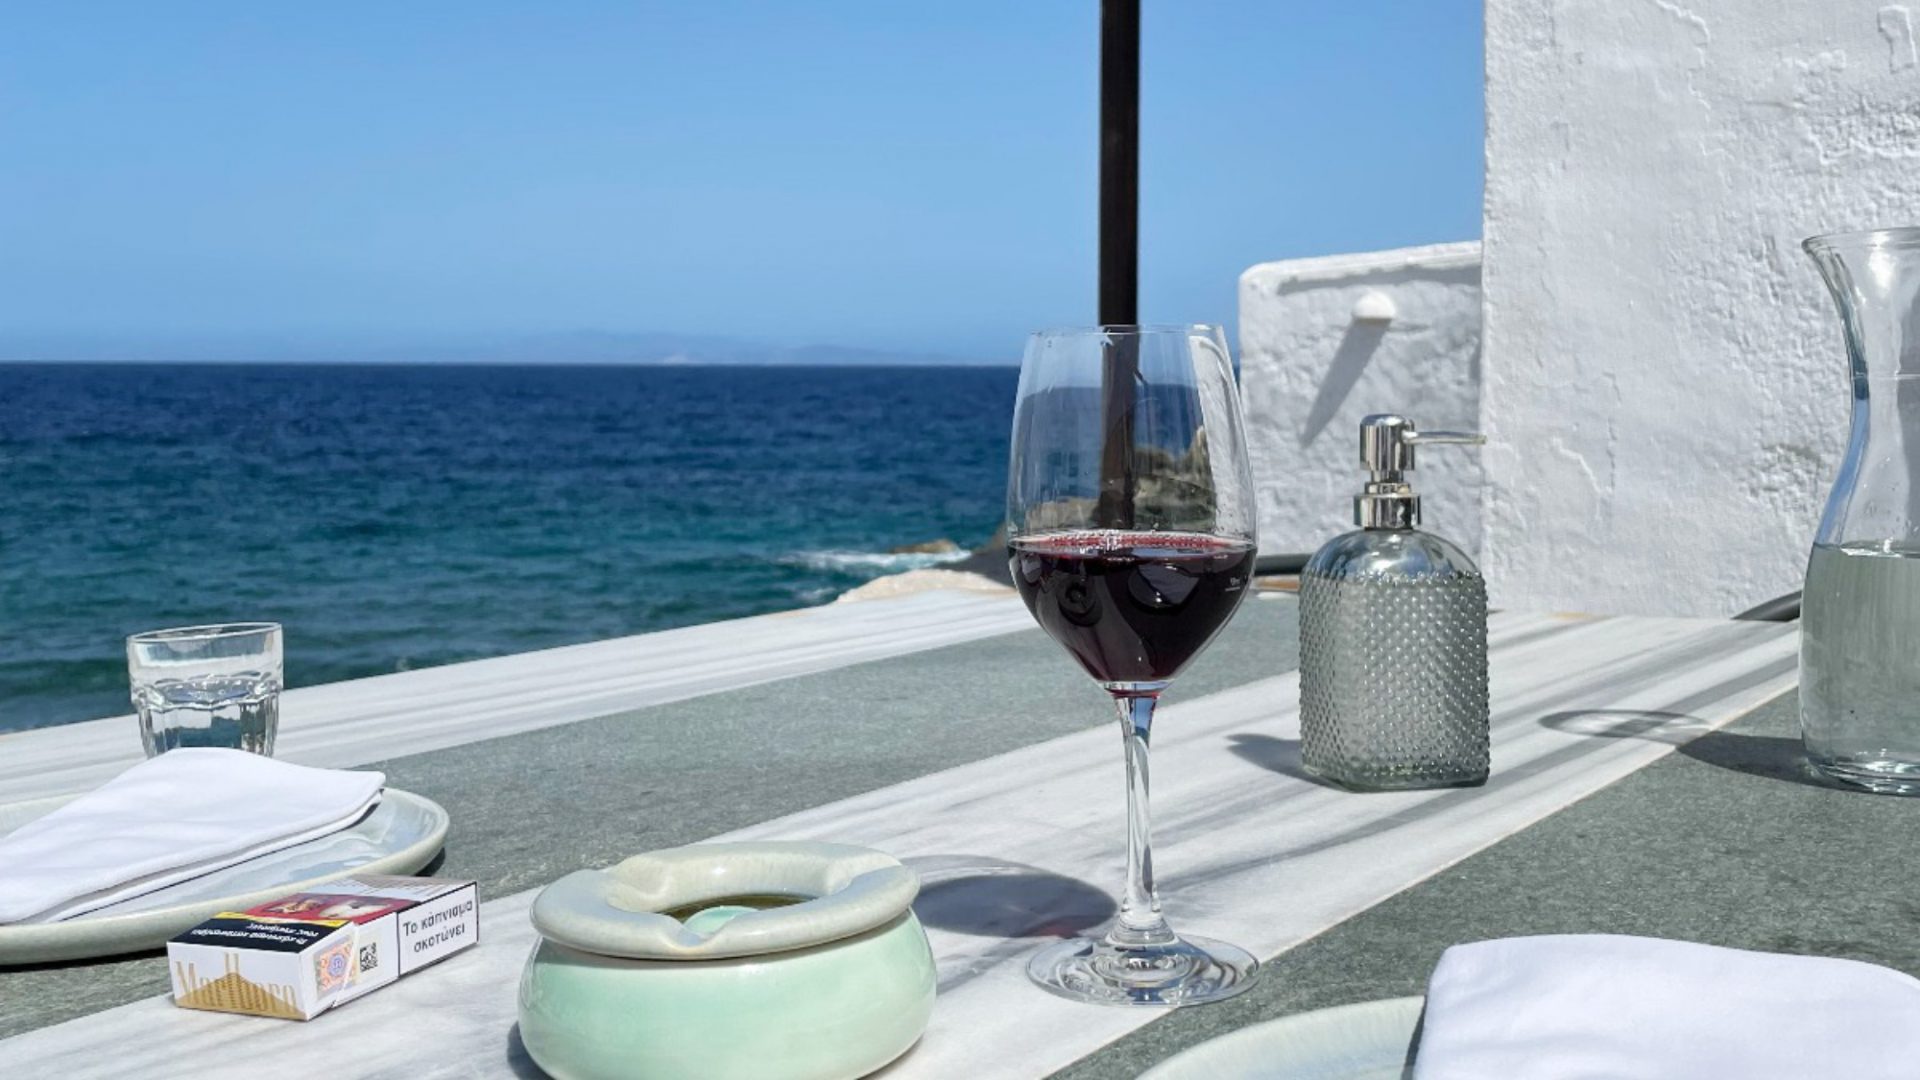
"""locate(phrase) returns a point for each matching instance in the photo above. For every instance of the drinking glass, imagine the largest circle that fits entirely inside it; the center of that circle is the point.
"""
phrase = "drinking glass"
(207, 686)
(1130, 534)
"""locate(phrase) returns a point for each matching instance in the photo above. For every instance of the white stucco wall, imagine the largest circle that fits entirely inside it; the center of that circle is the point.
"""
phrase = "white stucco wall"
(1664, 381)
(1310, 369)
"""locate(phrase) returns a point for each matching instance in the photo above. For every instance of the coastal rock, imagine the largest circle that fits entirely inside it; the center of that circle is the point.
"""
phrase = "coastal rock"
(914, 581)
(931, 547)
(996, 546)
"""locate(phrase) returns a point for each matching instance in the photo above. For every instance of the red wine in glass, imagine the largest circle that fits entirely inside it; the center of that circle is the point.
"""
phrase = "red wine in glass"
(1132, 607)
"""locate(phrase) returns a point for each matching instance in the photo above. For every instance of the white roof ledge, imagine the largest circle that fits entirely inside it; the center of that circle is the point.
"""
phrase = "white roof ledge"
(1458, 255)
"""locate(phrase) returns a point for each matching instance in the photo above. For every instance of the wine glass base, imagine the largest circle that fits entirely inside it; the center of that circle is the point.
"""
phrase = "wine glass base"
(1187, 971)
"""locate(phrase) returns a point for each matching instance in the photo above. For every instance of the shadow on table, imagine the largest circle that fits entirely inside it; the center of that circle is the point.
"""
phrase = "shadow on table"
(518, 1060)
(83, 962)
(1653, 725)
(987, 897)
(1274, 755)
(1770, 757)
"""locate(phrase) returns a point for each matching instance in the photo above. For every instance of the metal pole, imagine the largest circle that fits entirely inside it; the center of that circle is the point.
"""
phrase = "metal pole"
(1119, 253)
(1119, 161)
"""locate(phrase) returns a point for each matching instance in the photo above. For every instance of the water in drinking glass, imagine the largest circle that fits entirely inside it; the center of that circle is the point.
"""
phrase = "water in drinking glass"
(215, 686)
(239, 712)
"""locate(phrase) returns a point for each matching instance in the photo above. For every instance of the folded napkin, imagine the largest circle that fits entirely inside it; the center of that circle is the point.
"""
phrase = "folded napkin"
(184, 813)
(1630, 1008)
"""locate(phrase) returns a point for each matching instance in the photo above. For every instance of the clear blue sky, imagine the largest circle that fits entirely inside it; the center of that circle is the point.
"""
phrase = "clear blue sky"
(900, 175)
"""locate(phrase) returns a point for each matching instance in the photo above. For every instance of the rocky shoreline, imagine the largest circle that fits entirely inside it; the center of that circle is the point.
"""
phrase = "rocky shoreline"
(984, 569)
(989, 560)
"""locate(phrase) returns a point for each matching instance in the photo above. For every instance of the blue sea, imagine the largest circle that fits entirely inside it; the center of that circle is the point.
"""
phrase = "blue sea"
(397, 517)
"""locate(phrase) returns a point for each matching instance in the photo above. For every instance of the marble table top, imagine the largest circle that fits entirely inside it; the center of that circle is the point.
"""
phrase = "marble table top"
(1026, 844)
(413, 712)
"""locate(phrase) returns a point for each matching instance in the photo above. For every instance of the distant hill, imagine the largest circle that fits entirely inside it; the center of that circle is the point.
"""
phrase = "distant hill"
(579, 347)
(588, 347)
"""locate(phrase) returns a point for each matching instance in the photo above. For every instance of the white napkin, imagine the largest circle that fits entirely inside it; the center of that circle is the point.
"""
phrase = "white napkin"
(184, 813)
(1630, 1008)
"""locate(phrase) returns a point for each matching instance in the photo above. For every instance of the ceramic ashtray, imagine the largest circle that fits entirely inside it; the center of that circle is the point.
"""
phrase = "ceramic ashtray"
(761, 961)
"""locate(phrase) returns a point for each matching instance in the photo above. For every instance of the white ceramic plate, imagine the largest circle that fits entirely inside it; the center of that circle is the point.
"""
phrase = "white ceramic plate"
(1372, 1040)
(400, 836)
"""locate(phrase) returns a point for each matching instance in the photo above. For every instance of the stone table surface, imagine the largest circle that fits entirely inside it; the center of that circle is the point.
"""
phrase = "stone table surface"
(1733, 840)
(529, 807)
(1728, 841)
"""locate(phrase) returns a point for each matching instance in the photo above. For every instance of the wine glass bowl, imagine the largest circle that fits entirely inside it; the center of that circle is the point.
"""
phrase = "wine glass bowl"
(1130, 526)
(1132, 607)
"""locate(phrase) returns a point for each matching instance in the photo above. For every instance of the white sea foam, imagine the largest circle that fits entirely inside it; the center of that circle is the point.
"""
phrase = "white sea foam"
(877, 562)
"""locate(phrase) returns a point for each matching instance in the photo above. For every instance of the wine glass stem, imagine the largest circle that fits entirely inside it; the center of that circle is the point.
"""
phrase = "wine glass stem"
(1139, 922)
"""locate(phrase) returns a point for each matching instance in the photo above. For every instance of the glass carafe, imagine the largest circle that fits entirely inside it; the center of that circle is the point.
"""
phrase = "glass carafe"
(1860, 611)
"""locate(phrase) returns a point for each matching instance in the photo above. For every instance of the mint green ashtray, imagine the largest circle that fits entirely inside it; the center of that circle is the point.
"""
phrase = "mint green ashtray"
(762, 961)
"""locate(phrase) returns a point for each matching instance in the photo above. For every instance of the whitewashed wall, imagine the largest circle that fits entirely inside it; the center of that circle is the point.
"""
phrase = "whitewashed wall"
(1664, 383)
(1315, 357)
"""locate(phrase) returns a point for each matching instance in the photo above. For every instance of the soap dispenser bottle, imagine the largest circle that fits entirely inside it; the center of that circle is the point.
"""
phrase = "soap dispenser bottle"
(1393, 637)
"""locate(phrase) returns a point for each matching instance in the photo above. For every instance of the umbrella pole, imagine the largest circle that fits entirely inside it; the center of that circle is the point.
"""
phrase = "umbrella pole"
(1119, 252)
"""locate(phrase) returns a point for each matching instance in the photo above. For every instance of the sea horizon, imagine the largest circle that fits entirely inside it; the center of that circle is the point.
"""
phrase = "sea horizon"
(571, 347)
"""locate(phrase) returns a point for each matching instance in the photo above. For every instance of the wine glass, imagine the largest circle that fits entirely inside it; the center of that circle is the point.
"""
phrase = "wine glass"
(1130, 535)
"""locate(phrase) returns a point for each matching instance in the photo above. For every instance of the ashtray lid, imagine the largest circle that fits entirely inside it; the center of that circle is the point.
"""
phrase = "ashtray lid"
(824, 892)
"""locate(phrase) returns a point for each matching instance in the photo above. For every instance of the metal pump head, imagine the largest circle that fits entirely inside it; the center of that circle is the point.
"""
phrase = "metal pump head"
(1386, 452)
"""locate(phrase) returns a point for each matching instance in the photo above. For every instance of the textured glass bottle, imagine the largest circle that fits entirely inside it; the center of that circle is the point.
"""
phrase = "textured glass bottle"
(1393, 638)
(1860, 610)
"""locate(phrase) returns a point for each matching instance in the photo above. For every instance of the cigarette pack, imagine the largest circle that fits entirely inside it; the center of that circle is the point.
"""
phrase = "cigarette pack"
(301, 955)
